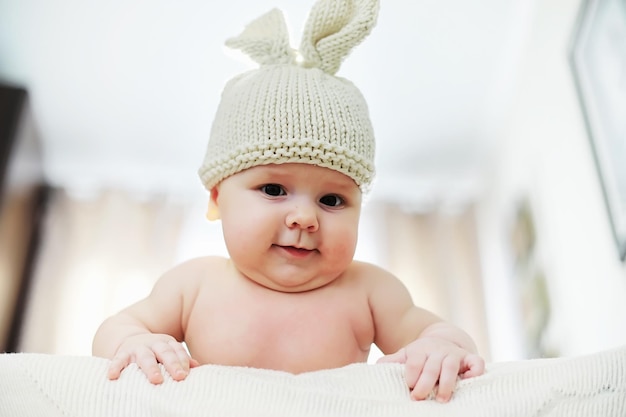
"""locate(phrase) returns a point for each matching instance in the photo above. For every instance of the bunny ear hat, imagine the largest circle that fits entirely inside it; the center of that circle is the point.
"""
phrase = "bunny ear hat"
(293, 108)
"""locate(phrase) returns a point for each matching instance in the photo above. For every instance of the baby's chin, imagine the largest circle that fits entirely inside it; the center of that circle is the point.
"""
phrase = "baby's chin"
(289, 284)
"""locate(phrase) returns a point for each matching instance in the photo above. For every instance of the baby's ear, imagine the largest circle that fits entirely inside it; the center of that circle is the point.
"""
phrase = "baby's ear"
(213, 211)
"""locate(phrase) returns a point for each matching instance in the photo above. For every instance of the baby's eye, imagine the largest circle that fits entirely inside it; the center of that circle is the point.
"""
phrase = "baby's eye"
(331, 200)
(273, 190)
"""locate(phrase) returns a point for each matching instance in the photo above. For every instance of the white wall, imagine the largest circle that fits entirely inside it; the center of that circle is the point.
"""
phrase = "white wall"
(545, 156)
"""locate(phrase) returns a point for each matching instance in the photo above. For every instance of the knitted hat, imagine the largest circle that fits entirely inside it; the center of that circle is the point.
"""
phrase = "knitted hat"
(293, 108)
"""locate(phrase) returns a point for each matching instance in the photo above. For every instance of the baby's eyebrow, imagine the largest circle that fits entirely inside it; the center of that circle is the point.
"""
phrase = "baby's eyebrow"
(344, 186)
(272, 171)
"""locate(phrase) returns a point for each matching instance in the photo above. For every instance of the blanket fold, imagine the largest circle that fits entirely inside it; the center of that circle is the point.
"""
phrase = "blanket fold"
(54, 385)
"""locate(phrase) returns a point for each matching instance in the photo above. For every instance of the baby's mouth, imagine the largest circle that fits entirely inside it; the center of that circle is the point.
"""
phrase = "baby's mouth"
(295, 251)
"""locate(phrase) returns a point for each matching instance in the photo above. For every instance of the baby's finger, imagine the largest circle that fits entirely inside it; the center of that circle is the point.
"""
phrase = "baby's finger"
(183, 355)
(474, 365)
(398, 357)
(447, 378)
(147, 362)
(117, 364)
(427, 378)
(167, 355)
(413, 368)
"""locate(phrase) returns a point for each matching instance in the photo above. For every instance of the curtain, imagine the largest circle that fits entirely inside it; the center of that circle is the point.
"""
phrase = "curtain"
(435, 254)
(99, 253)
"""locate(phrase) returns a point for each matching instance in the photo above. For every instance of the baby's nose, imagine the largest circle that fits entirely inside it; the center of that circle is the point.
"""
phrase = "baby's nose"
(303, 216)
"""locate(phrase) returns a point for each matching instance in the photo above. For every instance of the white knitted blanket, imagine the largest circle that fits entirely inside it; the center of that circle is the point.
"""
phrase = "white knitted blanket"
(50, 386)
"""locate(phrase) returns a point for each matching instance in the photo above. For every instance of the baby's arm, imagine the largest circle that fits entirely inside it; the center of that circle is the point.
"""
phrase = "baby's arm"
(434, 352)
(150, 331)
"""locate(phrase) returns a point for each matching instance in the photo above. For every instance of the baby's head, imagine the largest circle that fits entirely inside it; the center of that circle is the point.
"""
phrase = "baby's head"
(293, 109)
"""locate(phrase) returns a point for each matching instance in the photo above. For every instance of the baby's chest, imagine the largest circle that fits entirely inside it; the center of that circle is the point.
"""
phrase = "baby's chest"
(303, 323)
(269, 322)
(255, 332)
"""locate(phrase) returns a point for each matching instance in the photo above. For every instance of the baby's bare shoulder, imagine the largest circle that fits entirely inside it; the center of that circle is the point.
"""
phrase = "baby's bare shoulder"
(368, 273)
(375, 279)
(192, 273)
(202, 264)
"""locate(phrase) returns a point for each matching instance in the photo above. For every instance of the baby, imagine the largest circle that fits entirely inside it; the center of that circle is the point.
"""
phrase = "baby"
(290, 155)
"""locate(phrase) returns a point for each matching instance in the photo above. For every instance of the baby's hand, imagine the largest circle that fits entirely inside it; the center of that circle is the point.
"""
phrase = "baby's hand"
(147, 350)
(431, 361)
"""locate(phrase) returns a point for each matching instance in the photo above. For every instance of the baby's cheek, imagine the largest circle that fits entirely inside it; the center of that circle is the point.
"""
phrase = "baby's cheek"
(344, 245)
(238, 239)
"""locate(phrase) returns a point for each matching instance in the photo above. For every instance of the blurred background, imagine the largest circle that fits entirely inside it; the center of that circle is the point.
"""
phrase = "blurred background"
(490, 201)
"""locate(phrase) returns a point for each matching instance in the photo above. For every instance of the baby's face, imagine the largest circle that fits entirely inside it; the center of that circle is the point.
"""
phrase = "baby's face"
(290, 227)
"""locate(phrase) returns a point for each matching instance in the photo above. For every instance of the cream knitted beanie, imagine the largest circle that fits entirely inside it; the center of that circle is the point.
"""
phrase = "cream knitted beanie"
(293, 108)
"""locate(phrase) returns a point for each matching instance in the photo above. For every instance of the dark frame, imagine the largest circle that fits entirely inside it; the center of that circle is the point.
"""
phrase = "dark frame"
(23, 201)
(598, 62)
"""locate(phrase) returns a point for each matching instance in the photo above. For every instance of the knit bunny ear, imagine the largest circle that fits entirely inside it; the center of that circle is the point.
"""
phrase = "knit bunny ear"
(266, 40)
(333, 29)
